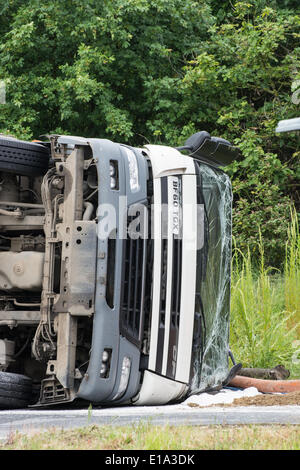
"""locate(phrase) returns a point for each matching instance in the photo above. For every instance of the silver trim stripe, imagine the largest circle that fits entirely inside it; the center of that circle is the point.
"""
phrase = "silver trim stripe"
(171, 179)
(156, 273)
(188, 278)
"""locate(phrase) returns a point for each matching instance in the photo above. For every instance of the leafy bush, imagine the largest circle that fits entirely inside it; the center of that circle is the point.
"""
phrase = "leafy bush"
(260, 201)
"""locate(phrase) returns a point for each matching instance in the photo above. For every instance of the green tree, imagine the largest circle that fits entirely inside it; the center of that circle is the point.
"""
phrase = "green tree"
(83, 67)
(239, 86)
(159, 70)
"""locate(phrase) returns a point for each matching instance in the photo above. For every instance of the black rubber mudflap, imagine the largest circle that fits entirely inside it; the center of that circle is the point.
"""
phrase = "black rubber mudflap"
(232, 373)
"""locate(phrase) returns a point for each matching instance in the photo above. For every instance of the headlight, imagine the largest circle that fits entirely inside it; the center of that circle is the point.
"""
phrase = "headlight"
(125, 373)
(113, 182)
(103, 370)
(113, 173)
(133, 170)
(112, 170)
(105, 356)
(105, 364)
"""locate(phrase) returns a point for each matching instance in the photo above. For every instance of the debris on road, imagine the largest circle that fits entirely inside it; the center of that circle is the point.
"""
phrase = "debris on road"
(284, 399)
(276, 373)
(247, 397)
(224, 396)
(266, 386)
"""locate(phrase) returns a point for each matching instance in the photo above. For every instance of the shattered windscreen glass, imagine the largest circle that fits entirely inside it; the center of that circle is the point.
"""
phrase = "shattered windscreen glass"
(211, 331)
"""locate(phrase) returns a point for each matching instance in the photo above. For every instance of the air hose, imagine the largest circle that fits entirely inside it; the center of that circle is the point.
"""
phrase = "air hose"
(266, 386)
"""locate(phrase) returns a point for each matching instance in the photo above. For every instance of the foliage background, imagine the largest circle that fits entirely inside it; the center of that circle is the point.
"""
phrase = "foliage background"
(159, 70)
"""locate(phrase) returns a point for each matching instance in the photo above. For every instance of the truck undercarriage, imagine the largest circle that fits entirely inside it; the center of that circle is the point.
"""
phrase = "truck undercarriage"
(47, 275)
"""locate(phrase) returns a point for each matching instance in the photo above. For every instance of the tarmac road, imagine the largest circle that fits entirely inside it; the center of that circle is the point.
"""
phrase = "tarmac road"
(28, 420)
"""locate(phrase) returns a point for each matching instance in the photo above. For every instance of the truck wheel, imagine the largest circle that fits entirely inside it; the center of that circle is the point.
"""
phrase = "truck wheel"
(23, 158)
(15, 390)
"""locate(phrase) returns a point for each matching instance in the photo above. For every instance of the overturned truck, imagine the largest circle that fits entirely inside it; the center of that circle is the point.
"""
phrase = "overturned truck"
(114, 270)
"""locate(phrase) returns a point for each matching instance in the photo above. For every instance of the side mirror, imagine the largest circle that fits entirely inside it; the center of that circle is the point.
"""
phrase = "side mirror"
(212, 150)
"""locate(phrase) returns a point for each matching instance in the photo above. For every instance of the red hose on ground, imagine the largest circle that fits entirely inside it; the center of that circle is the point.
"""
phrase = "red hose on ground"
(266, 386)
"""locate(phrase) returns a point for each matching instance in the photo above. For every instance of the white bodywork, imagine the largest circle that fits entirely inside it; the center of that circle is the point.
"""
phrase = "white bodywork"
(157, 390)
(168, 162)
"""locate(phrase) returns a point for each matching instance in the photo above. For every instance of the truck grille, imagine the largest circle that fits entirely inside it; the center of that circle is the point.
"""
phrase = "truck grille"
(133, 289)
(176, 282)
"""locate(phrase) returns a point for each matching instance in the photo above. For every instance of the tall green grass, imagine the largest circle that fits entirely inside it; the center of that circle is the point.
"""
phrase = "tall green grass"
(265, 309)
(292, 269)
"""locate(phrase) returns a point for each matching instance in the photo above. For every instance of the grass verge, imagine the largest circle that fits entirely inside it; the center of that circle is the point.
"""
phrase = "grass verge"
(148, 437)
(265, 308)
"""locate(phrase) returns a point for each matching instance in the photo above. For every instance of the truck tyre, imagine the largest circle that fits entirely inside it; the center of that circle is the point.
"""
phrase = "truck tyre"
(15, 390)
(23, 158)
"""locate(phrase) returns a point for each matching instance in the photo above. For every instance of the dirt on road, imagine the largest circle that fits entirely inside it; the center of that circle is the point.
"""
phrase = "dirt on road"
(291, 398)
